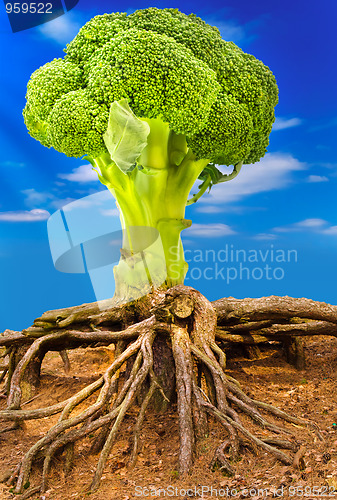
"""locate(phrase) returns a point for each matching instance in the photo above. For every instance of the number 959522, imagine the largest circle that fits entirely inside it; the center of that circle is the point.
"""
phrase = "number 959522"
(29, 8)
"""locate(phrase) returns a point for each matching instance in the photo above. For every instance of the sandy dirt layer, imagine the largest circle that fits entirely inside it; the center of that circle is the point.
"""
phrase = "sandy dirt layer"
(310, 393)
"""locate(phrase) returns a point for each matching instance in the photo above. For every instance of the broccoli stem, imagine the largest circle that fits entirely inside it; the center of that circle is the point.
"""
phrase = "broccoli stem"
(154, 195)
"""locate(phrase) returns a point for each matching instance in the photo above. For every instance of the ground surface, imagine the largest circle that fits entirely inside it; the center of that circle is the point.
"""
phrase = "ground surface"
(310, 393)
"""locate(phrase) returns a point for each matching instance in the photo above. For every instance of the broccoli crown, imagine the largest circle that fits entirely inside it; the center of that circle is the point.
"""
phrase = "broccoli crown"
(158, 76)
(168, 65)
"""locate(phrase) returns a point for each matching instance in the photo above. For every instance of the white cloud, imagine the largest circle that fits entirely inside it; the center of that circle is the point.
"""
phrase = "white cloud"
(33, 197)
(209, 230)
(25, 215)
(62, 29)
(84, 173)
(283, 123)
(112, 212)
(311, 223)
(93, 200)
(61, 202)
(273, 172)
(209, 209)
(332, 230)
(265, 236)
(234, 209)
(87, 201)
(317, 178)
(304, 225)
(318, 226)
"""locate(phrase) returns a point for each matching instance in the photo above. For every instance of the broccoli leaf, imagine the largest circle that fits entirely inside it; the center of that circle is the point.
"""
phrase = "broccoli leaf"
(126, 135)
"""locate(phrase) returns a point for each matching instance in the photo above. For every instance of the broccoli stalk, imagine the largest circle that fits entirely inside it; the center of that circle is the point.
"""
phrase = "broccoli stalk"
(155, 100)
(155, 192)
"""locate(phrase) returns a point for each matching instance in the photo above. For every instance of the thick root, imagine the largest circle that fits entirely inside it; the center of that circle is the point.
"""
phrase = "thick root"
(203, 390)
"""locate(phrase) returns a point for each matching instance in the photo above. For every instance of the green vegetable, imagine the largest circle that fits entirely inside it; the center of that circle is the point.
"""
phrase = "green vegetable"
(154, 100)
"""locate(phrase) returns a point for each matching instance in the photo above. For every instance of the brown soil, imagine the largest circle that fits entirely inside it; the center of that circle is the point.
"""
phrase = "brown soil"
(310, 393)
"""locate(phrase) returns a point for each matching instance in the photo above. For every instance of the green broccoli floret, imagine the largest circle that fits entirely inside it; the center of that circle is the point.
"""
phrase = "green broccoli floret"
(155, 100)
(253, 85)
(203, 40)
(227, 137)
(93, 35)
(76, 125)
(46, 85)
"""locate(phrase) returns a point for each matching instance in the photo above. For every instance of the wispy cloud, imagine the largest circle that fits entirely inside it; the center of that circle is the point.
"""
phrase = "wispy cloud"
(210, 230)
(231, 30)
(274, 171)
(317, 178)
(98, 199)
(58, 203)
(265, 236)
(84, 173)
(233, 209)
(330, 165)
(112, 212)
(62, 29)
(209, 209)
(332, 230)
(324, 124)
(283, 123)
(69, 203)
(314, 226)
(11, 164)
(304, 225)
(35, 215)
(33, 197)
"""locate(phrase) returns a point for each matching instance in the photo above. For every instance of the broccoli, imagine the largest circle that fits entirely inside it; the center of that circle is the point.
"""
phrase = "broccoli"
(154, 100)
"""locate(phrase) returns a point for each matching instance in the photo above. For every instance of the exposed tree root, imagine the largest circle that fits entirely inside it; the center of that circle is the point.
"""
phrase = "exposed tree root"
(190, 325)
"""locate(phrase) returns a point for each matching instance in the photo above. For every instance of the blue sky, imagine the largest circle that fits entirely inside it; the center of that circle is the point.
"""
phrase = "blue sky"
(279, 213)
